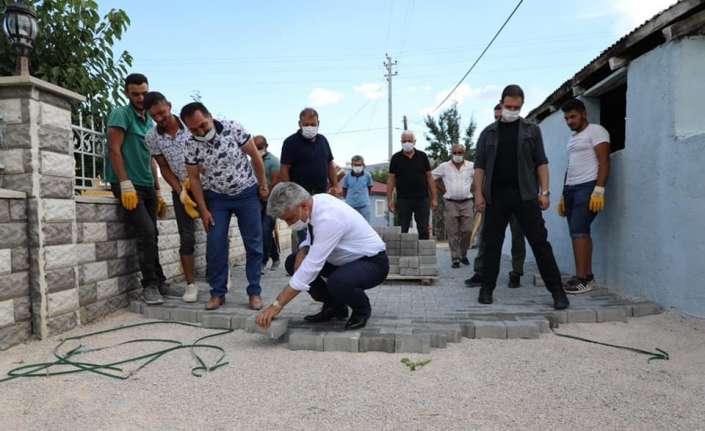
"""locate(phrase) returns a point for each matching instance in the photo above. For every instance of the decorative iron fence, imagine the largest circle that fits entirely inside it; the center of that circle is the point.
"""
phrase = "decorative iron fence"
(88, 150)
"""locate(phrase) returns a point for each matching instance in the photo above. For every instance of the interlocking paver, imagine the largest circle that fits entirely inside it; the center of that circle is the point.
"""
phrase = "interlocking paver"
(404, 311)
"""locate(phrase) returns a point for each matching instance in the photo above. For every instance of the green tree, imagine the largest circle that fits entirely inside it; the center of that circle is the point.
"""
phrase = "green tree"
(445, 132)
(74, 49)
(380, 176)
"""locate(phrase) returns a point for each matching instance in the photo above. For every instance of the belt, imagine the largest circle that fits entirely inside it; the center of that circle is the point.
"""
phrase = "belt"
(459, 200)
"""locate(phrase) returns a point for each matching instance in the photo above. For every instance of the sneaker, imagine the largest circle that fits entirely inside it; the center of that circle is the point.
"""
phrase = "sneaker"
(514, 280)
(275, 265)
(465, 261)
(572, 281)
(152, 296)
(191, 293)
(164, 288)
(474, 281)
(582, 286)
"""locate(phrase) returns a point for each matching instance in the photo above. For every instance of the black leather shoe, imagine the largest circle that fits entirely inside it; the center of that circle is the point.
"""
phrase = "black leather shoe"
(485, 296)
(474, 281)
(560, 300)
(456, 264)
(328, 313)
(514, 280)
(356, 322)
(465, 261)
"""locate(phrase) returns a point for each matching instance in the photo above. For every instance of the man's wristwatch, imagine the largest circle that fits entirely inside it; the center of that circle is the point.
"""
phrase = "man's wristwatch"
(546, 193)
(276, 304)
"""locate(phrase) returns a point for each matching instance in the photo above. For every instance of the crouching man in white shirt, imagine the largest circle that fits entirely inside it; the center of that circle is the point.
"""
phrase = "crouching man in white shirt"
(341, 257)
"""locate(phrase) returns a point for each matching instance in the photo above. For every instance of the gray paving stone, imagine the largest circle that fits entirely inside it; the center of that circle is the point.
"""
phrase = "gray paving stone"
(156, 312)
(377, 343)
(428, 270)
(420, 343)
(522, 329)
(347, 341)
(490, 329)
(305, 340)
(427, 252)
(581, 316)
(439, 340)
(276, 329)
(215, 321)
(613, 314)
(409, 237)
(541, 323)
(136, 307)
(409, 272)
(428, 260)
(184, 315)
(645, 309)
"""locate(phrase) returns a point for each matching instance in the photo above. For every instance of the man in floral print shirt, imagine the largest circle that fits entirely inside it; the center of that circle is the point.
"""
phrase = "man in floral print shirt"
(167, 144)
(226, 185)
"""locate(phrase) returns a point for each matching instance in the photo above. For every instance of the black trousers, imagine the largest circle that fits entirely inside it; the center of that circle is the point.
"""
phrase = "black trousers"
(338, 286)
(505, 203)
(143, 220)
(270, 247)
(186, 226)
(420, 208)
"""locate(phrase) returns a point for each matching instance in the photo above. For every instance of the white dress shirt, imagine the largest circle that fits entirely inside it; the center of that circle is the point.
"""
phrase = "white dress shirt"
(340, 236)
(458, 182)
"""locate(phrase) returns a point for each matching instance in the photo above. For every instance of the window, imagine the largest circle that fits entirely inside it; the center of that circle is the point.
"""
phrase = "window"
(380, 208)
(613, 114)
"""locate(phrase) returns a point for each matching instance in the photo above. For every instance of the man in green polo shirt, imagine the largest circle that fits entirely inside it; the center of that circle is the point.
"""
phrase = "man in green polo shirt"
(129, 170)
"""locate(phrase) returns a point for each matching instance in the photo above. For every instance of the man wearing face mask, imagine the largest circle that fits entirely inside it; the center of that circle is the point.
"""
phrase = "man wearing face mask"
(307, 160)
(226, 186)
(457, 175)
(133, 181)
(410, 175)
(357, 185)
(167, 143)
(271, 171)
(340, 259)
(511, 178)
(518, 245)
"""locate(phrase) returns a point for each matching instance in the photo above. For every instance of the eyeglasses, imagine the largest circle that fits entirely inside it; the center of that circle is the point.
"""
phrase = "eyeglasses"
(458, 154)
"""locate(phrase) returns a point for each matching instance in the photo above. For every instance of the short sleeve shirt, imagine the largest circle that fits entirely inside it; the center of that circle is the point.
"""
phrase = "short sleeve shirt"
(582, 160)
(410, 174)
(135, 154)
(227, 168)
(271, 165)
(308, 161)
(358, 189)
(173, 149)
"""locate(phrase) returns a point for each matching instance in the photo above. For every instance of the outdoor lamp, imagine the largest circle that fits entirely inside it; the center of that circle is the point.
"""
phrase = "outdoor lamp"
(20, 27)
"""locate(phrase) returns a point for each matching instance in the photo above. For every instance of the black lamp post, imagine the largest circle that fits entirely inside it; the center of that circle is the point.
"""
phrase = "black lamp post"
(20, 27)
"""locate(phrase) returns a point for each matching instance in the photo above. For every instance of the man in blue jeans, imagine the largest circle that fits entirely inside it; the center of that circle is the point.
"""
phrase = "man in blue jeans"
(584, 189)
(357, 185)
(223, 183)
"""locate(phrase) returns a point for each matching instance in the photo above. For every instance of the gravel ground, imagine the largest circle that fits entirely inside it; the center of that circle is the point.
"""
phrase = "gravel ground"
(549, 383)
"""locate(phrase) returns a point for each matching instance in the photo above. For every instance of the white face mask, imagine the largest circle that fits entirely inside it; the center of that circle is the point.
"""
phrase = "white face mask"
(207, 137)
(407, 147)
(309, 132)
(509, 116)
(299, 225)
(458, 158)
(357, 169)
(262, 152)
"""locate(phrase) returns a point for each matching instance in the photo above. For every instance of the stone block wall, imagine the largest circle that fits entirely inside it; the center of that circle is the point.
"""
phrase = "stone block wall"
(409, 256)
(15, 304)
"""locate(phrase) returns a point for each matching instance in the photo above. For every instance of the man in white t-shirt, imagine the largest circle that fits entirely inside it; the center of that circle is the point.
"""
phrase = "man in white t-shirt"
(584, 189)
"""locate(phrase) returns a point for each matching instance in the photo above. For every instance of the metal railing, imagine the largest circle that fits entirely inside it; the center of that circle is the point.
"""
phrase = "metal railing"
(88, 150)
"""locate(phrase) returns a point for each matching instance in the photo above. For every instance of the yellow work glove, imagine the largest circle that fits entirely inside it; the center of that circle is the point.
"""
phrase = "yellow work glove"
(189, 204)
(128, 195)
(597, 199)
(561, 207)
(161, 206)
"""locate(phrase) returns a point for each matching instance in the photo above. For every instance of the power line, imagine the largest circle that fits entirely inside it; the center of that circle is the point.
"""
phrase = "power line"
(352, 117)
(481, 55)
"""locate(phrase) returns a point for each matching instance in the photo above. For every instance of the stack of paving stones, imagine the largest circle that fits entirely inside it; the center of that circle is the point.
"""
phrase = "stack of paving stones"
(406, 317)
(409, 256)
(15, 306)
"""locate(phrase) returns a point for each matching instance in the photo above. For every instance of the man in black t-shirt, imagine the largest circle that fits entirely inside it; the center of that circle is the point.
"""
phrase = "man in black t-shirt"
(510, 165)
(410, 174)
(307, 160)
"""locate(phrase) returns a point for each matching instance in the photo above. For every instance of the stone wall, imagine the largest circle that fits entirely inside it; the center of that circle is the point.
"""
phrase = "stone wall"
(15, 304)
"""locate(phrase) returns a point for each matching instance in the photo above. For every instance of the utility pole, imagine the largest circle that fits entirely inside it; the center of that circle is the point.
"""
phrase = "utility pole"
(389, 65)
(406, 126)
